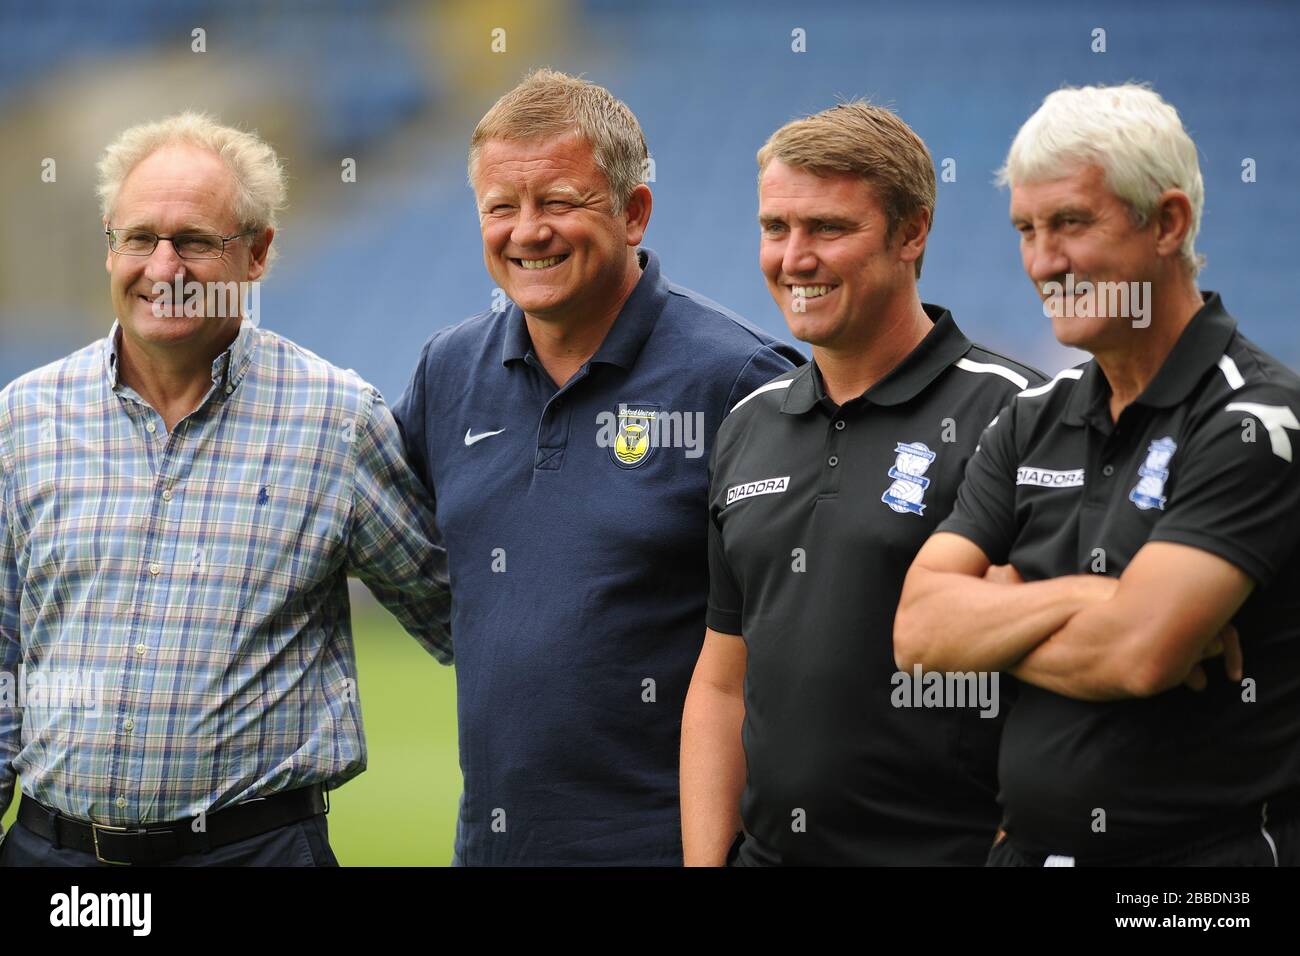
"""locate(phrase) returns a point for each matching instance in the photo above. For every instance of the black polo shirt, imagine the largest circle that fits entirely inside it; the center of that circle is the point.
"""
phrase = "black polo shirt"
(1055, 480)
(817, 511)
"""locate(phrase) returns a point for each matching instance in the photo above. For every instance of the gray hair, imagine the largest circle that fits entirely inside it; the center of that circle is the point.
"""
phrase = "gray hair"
(1130, 132)
(260, 183)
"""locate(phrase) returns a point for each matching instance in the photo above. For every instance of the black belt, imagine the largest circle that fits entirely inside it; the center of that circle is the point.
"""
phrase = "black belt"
(160, 842)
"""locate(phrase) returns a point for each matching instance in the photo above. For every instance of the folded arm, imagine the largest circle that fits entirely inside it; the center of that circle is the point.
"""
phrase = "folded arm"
(950, 618)
(1170, 611)
(1082, 636)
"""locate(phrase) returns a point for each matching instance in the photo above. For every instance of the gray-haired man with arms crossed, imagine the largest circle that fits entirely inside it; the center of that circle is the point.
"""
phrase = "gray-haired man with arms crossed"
(1150, 499)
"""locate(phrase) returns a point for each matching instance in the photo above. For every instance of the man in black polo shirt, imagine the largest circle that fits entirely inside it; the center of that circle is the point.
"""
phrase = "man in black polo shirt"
(825, 483)
(1151, 500)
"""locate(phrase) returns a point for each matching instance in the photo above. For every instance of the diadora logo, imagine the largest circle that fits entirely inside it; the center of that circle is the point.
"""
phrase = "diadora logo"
(905, 494)
(765, 486)
(1048, 478)
(1149, 492)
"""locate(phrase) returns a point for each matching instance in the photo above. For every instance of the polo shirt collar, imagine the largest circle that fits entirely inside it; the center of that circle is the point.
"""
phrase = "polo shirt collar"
(942, 345)
(1088, 397)
(626, 336)
(1200, 347)
(227, 368)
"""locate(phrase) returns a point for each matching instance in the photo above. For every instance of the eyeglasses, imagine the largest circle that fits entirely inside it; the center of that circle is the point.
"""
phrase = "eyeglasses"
(190, 245)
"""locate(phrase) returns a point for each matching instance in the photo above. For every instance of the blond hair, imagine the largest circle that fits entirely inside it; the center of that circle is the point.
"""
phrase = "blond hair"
(261, 186)
(1131, 133)
(861, 139)
(549, 103)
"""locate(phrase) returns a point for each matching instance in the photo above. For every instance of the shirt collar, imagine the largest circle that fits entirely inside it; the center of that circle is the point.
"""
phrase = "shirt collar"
(1199, 347)
(227, 368)
(110, 354)
(626, 336)
(942, 345)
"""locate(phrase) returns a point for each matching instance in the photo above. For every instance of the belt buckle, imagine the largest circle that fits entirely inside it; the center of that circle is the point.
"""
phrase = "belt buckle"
(94, 831)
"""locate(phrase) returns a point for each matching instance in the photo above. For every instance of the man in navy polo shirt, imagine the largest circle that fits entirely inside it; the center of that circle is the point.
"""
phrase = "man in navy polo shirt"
(1148, 504)
(565, 441)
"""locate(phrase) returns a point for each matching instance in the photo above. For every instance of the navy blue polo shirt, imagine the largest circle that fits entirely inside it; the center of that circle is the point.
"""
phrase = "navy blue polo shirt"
(575, 522)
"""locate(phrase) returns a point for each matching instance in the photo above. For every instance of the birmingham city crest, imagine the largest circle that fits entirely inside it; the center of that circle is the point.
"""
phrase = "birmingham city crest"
(1149, 492)
(906, 493)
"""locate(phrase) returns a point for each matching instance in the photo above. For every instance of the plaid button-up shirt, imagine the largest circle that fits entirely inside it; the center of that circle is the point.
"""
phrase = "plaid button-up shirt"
(174, 618)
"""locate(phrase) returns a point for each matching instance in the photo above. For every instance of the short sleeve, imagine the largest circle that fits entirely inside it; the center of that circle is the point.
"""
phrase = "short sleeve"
(765, 364)
(726, 602)
(409, 413)
(985, 508)
(1235, 485)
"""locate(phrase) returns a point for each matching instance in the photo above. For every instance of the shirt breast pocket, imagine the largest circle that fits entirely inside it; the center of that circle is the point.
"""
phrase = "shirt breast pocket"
(276, 541)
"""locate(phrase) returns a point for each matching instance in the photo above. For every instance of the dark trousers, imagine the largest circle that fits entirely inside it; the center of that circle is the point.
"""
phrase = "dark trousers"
(1276, 843)
(299, 844)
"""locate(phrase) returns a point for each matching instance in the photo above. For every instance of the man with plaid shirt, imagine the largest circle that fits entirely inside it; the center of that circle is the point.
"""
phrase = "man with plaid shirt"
(180, 505)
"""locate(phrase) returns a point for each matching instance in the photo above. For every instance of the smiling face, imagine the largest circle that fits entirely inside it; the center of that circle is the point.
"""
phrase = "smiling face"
(826, 256)
(179, 189)
(1076, 226)
(551, 238)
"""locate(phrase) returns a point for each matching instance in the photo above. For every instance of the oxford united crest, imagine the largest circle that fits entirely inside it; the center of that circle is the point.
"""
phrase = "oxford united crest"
(908, 490)
(637, 436)
(1149, 492)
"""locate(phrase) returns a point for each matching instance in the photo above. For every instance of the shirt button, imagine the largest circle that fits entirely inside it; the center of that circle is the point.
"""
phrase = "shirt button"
(120, 803)
(150, 428)
(832, 461)
(1108, 470)
(128, 724)
(139, 650)
(839, 426)
(155, 568)
(167, 494)
(229, 389)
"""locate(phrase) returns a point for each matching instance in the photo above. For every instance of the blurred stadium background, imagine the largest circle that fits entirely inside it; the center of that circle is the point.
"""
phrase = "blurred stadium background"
(369, 269)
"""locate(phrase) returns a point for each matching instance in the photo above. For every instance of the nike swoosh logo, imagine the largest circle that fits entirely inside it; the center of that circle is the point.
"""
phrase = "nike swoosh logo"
(471, 439)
